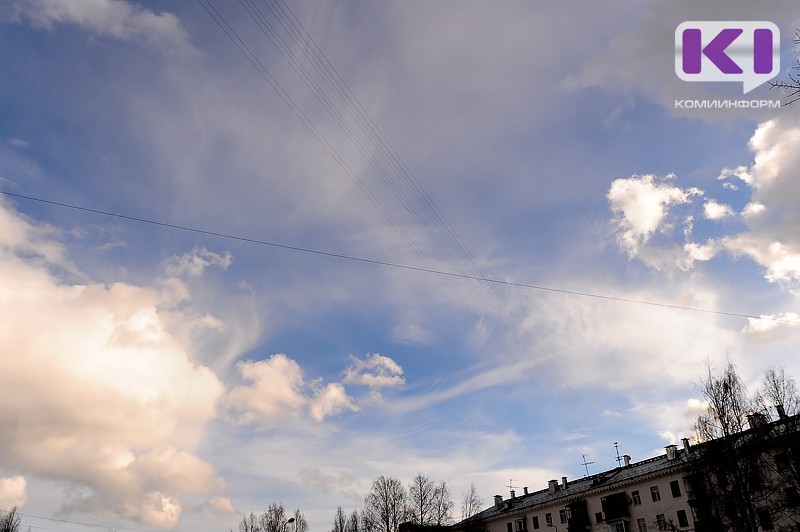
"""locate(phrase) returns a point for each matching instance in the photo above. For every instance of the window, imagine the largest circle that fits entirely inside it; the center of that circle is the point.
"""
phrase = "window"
(637, 499)
(562, 515)
(682, 520)
(535, 521)
(676, 488)
(620, 527)
(792, 497)
(782, 461)
(642, 524)
(598, 517)
(662, 522)
(765, 519)
(509, 527)
(548, 519)
(519, 525)
(655, 494)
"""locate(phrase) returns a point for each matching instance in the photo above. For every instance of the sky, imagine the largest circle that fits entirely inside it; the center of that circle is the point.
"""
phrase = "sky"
(242, 244)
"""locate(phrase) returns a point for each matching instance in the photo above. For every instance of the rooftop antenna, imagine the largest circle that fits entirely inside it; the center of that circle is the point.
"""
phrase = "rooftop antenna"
(619, 459)
(586, 464)
(511, 486)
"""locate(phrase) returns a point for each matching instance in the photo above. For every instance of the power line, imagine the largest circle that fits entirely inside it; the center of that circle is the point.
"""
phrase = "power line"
(52, 524)
(395, 264)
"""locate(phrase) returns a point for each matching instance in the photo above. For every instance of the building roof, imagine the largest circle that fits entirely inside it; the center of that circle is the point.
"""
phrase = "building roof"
(609, 481)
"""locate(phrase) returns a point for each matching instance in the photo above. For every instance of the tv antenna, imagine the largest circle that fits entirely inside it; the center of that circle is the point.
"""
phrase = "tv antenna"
(619, 459)
(511, 486)
(586, 464)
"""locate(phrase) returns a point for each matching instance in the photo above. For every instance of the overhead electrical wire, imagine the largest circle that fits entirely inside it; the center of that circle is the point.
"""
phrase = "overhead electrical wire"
(408, 267)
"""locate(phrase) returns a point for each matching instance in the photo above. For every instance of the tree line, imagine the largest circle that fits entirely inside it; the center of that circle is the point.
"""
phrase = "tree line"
(386, 506)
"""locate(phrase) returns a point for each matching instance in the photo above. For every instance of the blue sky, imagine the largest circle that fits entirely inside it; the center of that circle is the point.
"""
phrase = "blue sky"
(160, 378)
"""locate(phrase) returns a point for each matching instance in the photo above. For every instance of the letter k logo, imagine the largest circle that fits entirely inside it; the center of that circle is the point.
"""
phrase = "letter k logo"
(714, 51)
(741, 51)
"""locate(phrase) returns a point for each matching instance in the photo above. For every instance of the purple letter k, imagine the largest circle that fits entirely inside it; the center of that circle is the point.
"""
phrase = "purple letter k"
(715, 51)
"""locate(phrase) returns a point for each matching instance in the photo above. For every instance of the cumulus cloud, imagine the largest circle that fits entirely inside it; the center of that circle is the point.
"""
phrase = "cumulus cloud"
(94, 389)
(275, 389)
(109, 18)
(770, 323)
(641, 207)
(12, 492)
(331, 400)
(222, 506)
(772, 217)
(741, 172)
(194, 264)
(375, 371)
(716, 211)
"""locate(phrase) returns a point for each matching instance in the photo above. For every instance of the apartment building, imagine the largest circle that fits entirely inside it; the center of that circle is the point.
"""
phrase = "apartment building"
(691, 487)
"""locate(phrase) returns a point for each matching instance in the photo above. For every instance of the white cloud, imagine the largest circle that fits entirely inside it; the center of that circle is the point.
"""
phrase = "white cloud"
(716, 211)
(375, 371)
(96, 391)
(12, 492)
(331, 400)
(782, 261)
(276, 390)
(222, 506)
(18, 143)
(772, 216)
(771, 323)
(109, 18)
(753, 209)
(641, 207)
(742, 172)
(194, 264)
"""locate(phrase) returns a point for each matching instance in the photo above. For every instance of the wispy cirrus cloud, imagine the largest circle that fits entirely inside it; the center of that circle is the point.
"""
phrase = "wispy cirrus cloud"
(116, 19)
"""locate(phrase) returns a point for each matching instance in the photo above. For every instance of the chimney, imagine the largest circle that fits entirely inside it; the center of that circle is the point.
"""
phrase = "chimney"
(781, 411)
(552, 486)
(563, 483)
(627, 459)
(686, 447)
(671, 450)
(513, 494)
(756, 419)
(525, 489)
(498, 502)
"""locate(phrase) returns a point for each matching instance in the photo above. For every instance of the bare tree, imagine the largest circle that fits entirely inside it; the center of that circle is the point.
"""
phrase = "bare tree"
(792, 87)
(353, 522)
(471, 502)
(339, 521)
(778, 390)
(728, 405)
(10, 521)
(300, 523)
(429, 503)
(442, 505)
(747, 474)
(384, 506)
(250, 523)
(420, 500)
(274, 519)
